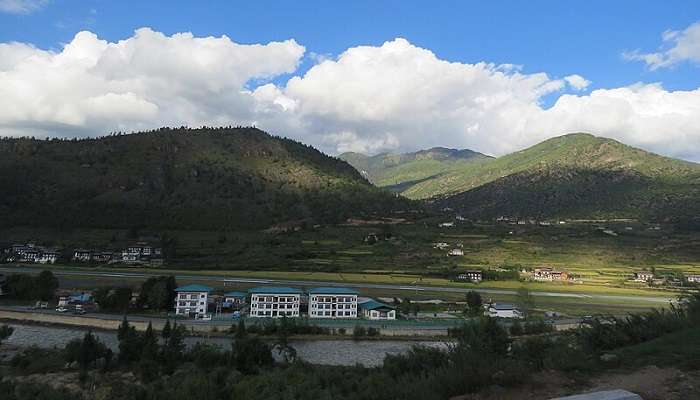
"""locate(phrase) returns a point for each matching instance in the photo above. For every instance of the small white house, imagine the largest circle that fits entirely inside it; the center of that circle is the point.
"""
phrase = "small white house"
(693, 278)
(447, 225)
(274, 302)
(455, 252)
(332, 302)
(48, 257)
(441, 245)
(503, 310)
(192, 300)
(375, 310)
(643, 276)
(234, 299)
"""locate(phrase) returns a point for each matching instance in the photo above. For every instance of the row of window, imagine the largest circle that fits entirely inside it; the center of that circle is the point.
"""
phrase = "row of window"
(330, 314)
(190, 303)
(268, 299)
(273, 313)
(336, 299)
(185, 296)
(331, 306)
(276, 306)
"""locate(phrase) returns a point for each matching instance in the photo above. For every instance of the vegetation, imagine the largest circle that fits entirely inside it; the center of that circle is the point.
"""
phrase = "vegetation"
(28, 287)
(209, 178)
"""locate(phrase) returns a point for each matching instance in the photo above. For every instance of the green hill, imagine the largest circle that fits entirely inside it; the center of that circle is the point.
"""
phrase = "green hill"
(399, 172)
(576, 175)
(233, 178)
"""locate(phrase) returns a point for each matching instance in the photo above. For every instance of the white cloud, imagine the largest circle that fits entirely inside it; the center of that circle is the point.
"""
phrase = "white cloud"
(93, 86)
(393, 97)
(22, 6)
(678, 46)
(577, 82)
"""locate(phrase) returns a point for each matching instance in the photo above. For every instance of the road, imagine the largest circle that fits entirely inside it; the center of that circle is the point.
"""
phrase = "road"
(417, 288)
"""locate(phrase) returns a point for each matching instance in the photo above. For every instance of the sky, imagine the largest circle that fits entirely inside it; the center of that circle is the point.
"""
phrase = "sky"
(368, 76)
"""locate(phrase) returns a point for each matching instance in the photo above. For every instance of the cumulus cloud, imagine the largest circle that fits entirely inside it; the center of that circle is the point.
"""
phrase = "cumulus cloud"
(678, 46)
(93, 86)
(22, 6)
(392, 97)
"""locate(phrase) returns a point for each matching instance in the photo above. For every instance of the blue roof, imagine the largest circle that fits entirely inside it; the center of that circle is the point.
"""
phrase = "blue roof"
(503, 306)
(194, 288)
(373, 305)
(332, 290)
(274, 290)
(235, 294)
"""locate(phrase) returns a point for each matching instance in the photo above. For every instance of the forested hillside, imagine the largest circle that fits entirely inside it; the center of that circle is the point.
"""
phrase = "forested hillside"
(224, 178)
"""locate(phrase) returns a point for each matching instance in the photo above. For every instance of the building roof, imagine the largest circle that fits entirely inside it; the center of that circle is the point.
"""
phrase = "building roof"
(194, 288)
(332, 290)
(374, 305)
(503, 306)
(235, 294)
(274, 290)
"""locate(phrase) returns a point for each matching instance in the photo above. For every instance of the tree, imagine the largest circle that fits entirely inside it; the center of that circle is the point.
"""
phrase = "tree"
(86, 351)
(45, 285)
(241, 330)
(5, 332)
(526, 301)
(165, 333)
(474, 304)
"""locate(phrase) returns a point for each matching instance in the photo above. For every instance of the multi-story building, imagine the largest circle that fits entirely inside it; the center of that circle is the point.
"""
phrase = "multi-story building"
(191, 300)
(274, 302)
(549, 274)
(332, 302)
(372, 309)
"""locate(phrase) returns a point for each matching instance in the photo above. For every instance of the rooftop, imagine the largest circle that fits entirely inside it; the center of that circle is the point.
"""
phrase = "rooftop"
(332, 290)
(194, 288)
(274, 290)
(503, 306)
(374, 305)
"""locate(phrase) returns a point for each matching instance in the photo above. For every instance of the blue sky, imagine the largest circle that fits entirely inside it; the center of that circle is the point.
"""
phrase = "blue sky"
(557, 38)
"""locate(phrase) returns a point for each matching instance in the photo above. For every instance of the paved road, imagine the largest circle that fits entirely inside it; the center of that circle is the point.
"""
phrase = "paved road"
(417, 288)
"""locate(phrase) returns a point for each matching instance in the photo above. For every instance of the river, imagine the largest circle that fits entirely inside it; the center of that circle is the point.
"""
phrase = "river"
(327, 352)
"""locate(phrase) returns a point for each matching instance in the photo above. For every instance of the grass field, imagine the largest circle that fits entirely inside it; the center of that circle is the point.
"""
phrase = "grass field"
(601, 263)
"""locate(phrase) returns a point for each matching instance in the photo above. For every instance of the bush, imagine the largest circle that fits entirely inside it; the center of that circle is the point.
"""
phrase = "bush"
(359, 331)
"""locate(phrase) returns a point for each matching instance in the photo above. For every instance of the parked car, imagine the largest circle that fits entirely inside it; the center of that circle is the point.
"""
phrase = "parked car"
(205, 317)
(236, 314)
(41, 304)
(61, 309)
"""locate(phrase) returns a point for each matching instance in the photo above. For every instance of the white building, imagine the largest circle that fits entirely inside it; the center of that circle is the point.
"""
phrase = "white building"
(474, 276)
(274, 302)
(375, 310)
(693, 278)
(455, 252)
(503, 310)
(643, 276)
(192, 300)
(441, 245)
(48, 257)
(447, 225)
(332, 302)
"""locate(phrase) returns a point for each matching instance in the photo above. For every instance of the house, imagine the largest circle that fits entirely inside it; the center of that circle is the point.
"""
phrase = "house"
(693, 278)
(441, 245)
(234, 299)
(446, 225)
(31, 254)
(332, 302)
(102, 257)
(455, 252)
(82, 255)
(192, 300)
(129, 257)
(274, 302)
(643, 276)
(48, 257)
(503, 310)
(473, 276)
(549, 274)
(375, 310)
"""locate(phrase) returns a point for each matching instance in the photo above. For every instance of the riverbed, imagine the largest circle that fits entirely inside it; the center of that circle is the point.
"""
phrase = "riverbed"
(327, 352)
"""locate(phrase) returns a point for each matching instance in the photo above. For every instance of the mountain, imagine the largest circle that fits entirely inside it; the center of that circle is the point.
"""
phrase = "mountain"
(225, 178)
(399, 172)
(575, 175)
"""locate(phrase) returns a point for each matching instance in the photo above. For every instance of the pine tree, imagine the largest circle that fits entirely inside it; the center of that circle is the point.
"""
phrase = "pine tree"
(165, 333)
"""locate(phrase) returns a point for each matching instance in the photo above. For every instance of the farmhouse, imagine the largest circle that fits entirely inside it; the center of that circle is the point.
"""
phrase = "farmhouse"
(274, 302)
(455, 252)
(474, 276)
(375, 310)
(441, 245)
(503, 310)
(549, 274)
(82, 255)
(332, 302)
(643, 276)
(192, 300)
(693, 278)
(48, 257)
(446, 225)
